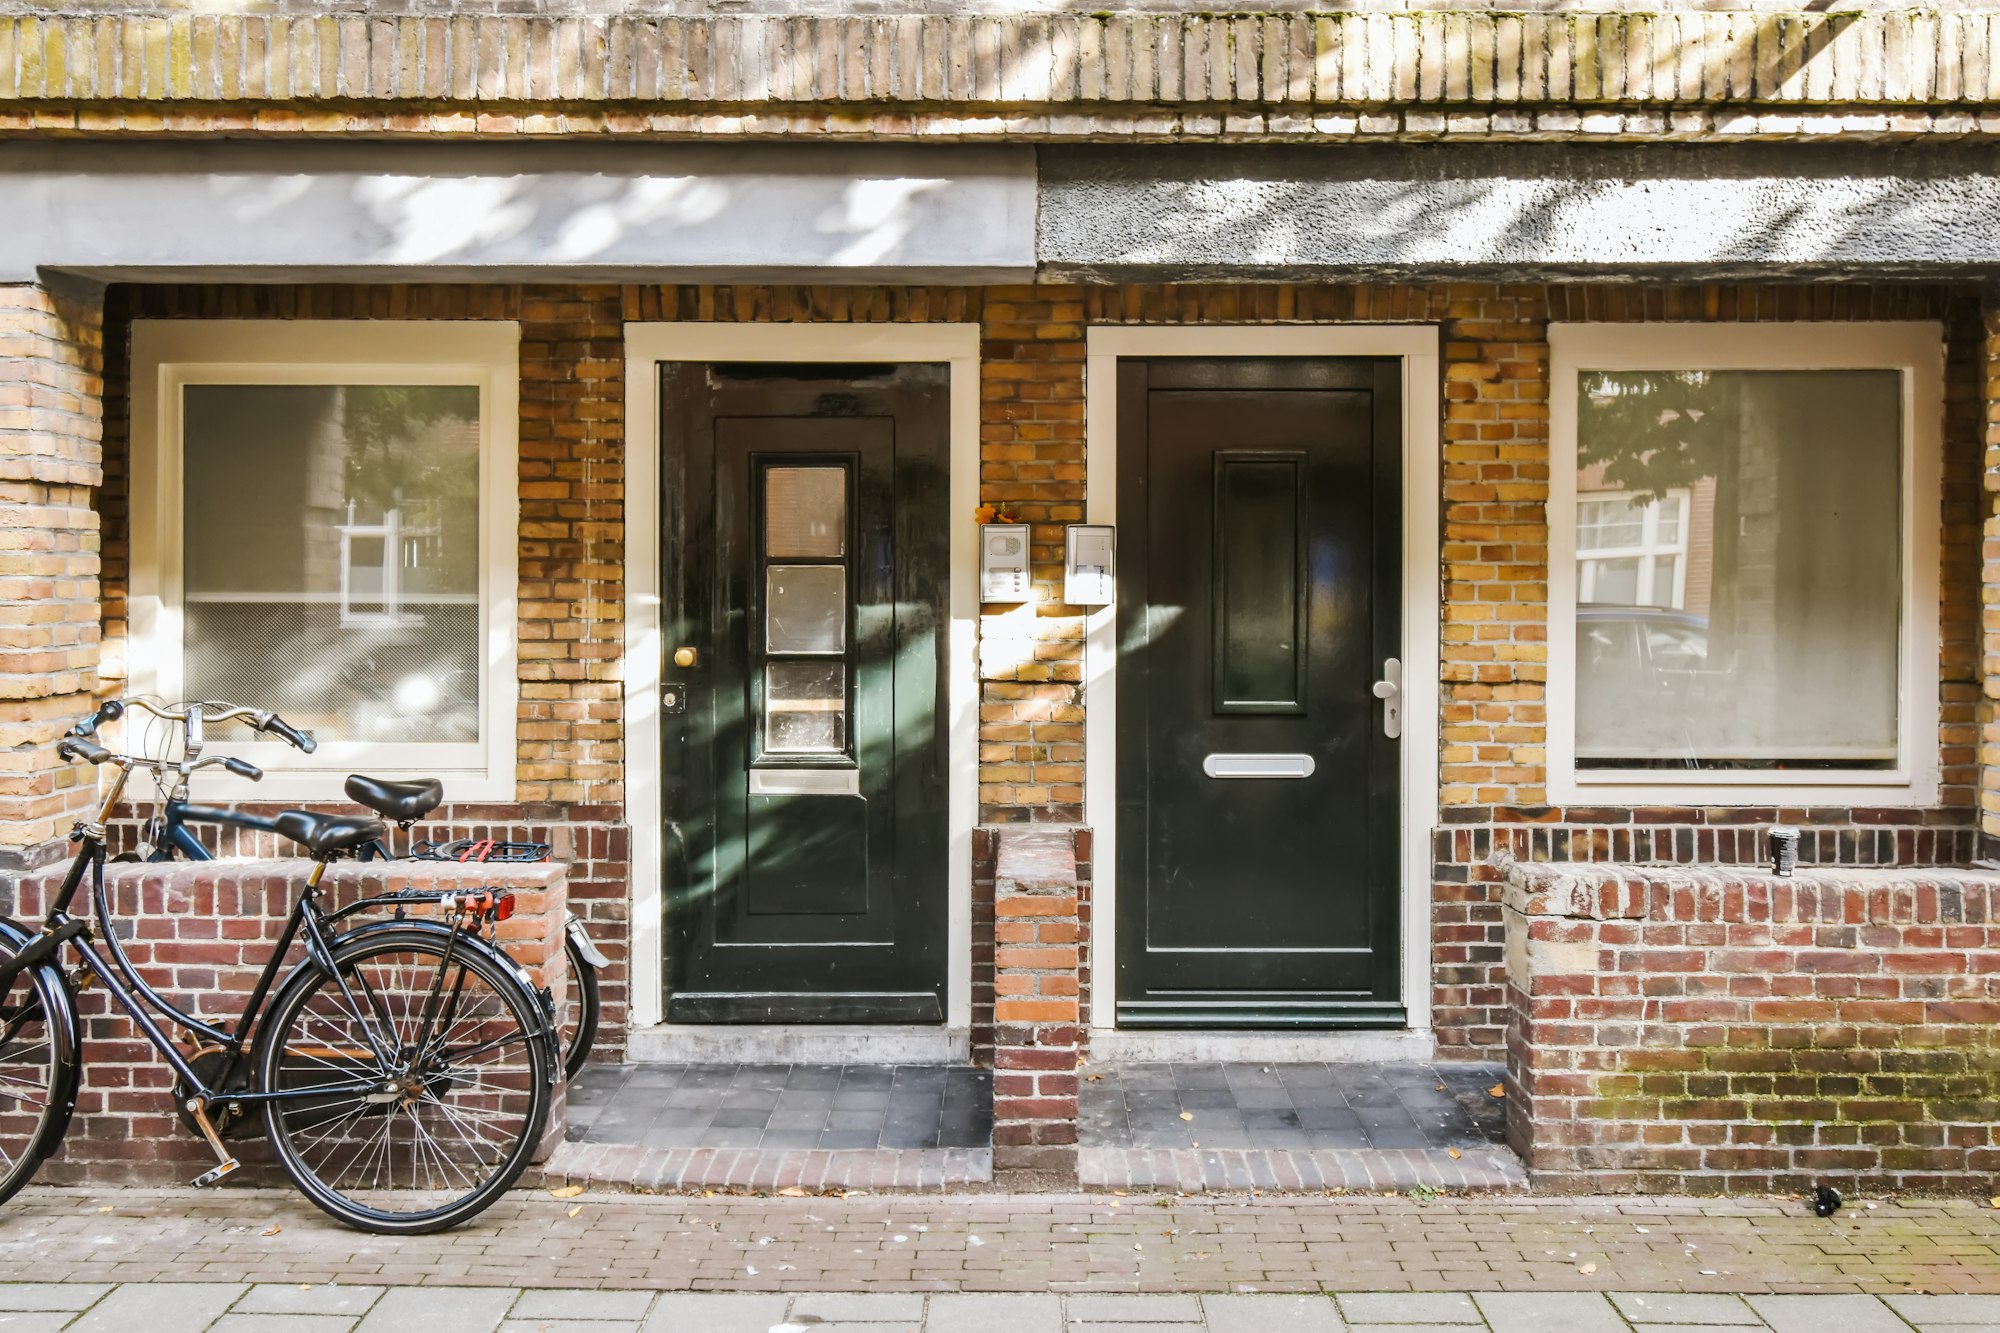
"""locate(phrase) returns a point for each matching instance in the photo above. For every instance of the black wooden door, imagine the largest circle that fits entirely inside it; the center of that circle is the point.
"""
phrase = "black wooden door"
(806, 552)
(1259, 506)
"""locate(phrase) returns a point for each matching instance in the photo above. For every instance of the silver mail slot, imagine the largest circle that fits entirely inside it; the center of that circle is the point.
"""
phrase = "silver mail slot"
(805, 781)
(1258, 765)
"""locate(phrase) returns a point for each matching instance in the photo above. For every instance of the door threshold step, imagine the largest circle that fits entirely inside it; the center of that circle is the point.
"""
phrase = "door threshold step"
(1278, 1170)
(1210, 1045)
(796, 1044)
(664, 1170)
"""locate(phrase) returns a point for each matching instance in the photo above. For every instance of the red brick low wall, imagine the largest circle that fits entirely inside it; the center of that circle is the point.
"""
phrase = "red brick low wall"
(199, 934)
(1719, 1030)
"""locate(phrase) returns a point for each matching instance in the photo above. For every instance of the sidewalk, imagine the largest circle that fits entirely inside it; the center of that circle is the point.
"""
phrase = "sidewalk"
(158, 1307)
(1540, 1265)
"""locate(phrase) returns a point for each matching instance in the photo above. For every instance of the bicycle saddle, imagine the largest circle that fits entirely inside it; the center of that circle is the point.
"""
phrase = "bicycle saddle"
(400, 801)
(323, 835)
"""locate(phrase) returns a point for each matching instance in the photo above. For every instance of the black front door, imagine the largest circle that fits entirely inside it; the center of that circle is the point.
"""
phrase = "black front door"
(807, 553)
(1259, 506)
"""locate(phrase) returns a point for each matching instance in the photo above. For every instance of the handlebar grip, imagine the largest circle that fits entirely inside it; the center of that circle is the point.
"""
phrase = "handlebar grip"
(291, 735)
(243, 768)
(76, 747)
(108, 711)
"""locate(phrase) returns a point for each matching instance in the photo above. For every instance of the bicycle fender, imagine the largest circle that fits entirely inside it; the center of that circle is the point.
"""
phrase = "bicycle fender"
(65, 1022)
(544, 1002)
(581, 938)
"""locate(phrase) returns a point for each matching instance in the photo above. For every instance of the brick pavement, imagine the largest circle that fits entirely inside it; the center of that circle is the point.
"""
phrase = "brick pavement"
(977, 1242)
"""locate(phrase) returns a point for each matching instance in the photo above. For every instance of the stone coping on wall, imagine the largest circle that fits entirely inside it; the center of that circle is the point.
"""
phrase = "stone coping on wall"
(1605, 891)
(1176, 75)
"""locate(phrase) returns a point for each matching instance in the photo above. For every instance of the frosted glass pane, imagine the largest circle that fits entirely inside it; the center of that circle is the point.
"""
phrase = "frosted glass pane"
(331, 555)
(805, 513)
(805, 707)
(805, 609)
(1753, 620)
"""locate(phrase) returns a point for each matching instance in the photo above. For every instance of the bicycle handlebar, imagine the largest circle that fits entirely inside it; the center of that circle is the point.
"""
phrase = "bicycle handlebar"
(72, 748)
(259, 719)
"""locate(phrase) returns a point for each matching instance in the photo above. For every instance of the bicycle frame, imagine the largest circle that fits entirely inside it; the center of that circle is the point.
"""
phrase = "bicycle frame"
(130, 991)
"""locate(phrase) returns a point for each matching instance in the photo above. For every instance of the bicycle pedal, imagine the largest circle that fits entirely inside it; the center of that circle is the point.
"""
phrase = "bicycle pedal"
(214, 1175)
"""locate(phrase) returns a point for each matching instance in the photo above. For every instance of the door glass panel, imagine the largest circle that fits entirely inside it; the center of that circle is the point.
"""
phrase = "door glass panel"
(805, 513)
(805, 707)
(805, 609)
(1259, 621)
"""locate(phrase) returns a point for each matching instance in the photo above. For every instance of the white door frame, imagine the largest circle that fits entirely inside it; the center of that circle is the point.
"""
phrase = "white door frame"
(1417, 346)
(646, 346)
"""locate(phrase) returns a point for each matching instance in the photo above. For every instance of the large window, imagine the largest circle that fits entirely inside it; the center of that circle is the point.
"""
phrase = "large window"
(1746, 525)
(324, 527)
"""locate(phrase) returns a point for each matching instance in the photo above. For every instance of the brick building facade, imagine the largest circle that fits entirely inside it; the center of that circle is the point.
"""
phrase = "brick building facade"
(1151, 175)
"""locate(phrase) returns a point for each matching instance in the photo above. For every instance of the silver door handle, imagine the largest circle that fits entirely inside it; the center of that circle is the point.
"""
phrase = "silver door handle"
(1389, 690)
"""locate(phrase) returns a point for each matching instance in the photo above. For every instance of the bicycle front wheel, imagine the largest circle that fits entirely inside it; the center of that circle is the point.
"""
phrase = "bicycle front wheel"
(38, 1068)
(434, 1079)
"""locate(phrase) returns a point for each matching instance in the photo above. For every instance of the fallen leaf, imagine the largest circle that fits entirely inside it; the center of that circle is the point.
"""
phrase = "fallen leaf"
(1092, 1078)
(565, 1191)
(1995, 1201)
(1455, 1154)
(792, 1192)
(1587, 1269)
(1497, 1090)
(272, 1231)
(1438, 1088)
(1187, 1115)
(574, 1210)
(107, 1207)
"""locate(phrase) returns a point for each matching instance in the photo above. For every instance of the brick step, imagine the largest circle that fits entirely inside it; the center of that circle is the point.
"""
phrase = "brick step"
(809, 1169)
(1198, 1170)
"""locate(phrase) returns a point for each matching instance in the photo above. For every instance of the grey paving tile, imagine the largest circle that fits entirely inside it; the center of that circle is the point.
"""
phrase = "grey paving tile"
(558, 1303)
(858, 1307)
(439, 1310)
(273, 1323)
(1132, 1309)
(719, 1312)
(161, 1307)
(34, 1321)
(1681, 1307)
(1934, 1311)
(318, 1298)
(1822, 1314)
(1271, 1314)
(1549, 1312)
(1408, 1307)
(1412, 1328)
(569, 1326)
(51, 1295)
(1000, 1313)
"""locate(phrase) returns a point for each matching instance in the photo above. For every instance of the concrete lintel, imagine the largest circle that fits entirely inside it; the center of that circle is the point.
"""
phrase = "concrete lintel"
(1444, 211)
(530, 212)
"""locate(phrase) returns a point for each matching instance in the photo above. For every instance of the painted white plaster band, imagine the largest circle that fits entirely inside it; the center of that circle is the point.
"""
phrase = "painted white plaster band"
(580, 213)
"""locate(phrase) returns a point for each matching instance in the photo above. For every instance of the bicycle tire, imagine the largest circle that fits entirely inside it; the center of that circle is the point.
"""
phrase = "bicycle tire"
(301, 1040)
(38, 1032)
(582, 999)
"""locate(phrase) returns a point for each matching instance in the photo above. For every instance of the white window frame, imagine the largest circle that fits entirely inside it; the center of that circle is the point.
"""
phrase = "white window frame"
(1916, 351)
(168, 355)
(1650, 548)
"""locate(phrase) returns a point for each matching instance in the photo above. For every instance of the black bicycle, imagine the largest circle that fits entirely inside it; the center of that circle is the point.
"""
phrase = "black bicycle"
(402, 1071)
(168, 838)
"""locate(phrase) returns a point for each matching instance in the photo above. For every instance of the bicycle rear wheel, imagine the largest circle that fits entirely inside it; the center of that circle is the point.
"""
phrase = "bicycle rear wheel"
(445, 1122)
(37, 1067)
(579, 1027)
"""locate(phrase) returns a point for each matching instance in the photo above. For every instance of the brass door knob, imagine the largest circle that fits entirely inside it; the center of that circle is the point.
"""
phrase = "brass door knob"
(683, 657)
